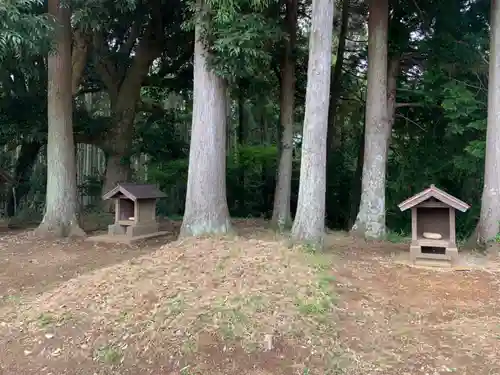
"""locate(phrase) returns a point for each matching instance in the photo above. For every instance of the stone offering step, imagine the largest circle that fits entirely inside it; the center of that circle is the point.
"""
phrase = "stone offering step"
(422, 262)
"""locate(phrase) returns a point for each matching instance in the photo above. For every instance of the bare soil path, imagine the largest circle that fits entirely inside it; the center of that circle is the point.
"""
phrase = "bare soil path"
(247, 305)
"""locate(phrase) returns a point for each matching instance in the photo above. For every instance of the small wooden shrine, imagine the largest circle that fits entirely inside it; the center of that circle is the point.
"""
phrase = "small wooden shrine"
(135, 213)
(433, 236)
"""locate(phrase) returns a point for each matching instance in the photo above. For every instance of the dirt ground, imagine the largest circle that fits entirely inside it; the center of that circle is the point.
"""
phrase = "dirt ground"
(248, 305)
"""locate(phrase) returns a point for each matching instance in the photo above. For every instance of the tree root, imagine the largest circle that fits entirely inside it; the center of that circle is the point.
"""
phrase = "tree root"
(50, 229)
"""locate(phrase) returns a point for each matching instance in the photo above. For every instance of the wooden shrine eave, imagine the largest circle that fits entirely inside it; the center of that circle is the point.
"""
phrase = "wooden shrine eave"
(436, 193)
(134, 192)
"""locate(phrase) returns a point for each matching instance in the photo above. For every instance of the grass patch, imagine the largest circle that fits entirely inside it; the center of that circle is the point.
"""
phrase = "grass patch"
(11, 298)
(45, 319)
(396, 237)
(124, 316)
(319, 261)
(189, 346)
(265, 289)
(318, 298)
(109, 354)
(175, 306)
(232, 321)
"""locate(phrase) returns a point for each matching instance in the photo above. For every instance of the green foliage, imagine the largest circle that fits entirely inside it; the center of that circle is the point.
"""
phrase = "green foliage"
(439, 138)
(259, 165)
(172, 179)
(240, 34)
(96, 15)
(159, 135)
(250, 179)
(24, 30)
(241, 45)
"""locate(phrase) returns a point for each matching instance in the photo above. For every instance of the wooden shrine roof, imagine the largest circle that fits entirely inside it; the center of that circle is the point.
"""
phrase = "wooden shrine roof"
(135, 192)
(436, 193)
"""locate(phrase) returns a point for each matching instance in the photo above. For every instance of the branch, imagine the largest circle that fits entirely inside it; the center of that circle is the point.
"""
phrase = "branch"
(356, 41)
(149, 106)
(402, 105)
(277, 72)
(104, 66)
(88, 90)
(126, 47)
(149, 48)
(79, 56)
(413, 58)
(410, 120)
(95, 140)
(357, 99)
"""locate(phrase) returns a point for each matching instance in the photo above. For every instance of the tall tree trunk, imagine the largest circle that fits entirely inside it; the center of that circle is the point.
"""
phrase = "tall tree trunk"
(206, 209)
(61, 202)
(309, 224)
(24, 168)
(488, 226)
(370, 221)
(118, 148)
(282, 217)
(124, 89)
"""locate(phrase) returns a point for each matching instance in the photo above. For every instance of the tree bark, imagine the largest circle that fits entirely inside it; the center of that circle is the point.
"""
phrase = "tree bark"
(206, 210)
(370, 221)
(61, 201)
(242, 135)
(309, 224)
(79, 56)
(282, 218)
(229, 121)
(125, 91)
(488, 226)
(355, 193)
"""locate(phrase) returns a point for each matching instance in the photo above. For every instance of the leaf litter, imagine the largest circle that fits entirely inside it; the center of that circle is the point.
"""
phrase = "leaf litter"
(254, 306)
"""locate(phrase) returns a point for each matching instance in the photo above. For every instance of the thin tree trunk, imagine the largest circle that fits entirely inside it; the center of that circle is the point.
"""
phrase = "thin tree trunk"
(241, 143)
(355, 194)
(268, 174)
(282, 217)
(488, 226)
(206, 209)
(309, 224)
(61, 202)
(370, 221)
(334, 158)
(79, 57)
(392, 82)
(336, 87)
(24, 169)
(229, 117)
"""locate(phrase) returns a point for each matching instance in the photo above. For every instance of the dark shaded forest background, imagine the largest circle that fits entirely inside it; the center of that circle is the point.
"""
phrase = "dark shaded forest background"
(133, 79)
